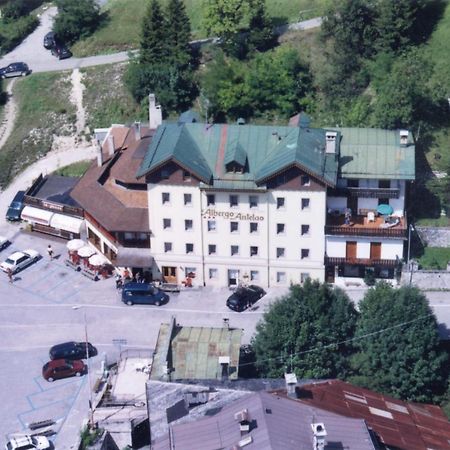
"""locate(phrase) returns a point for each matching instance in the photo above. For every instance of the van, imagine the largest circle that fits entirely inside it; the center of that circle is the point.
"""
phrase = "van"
(16, 206)
(143, 294)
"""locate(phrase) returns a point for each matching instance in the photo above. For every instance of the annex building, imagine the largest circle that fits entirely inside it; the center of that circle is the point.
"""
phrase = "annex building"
(224, 204)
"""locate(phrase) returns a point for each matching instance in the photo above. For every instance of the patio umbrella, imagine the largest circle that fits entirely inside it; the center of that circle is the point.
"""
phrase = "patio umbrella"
(97, 260)
(86, 251)
(385, 210)
(75, 244)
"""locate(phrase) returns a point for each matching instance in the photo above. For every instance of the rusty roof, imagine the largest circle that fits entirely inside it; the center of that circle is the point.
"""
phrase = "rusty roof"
(399, 424)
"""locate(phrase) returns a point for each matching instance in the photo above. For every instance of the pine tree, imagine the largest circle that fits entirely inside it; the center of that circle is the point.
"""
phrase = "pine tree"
(154, 41)
(261, 35)
(179, 30)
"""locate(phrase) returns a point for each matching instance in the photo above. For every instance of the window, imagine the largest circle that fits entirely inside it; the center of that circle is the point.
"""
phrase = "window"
(280, 252)
(305, 203)
(280, 228)
(254, 275)
(189, 248)
(167, 247)
(213, 273)
(164, 174)
(384, 184)
(186, 175)
(234, 201)
(253, 227)
(303, 277)
(305, 253)
(383, 201)
(352, 183)
(253, 251)
(188, 224)
(281, 277)
(280, 202)
(190, 272)
(253, 201)
(305, 230)
(188, 199)
(129, 236)
(234, 250)
(210, 199)
(165, 197)
(211, 225)
(211, 249)
(305, 180)
(234, 227)
(167, 223)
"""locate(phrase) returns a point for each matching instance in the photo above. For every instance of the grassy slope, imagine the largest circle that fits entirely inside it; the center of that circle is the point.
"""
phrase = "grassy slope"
(44, 110)
(434, 258)
(121, 32)
(74, 170)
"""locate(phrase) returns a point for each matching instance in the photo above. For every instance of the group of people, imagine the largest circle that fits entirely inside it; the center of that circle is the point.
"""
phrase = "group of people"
(121, 279)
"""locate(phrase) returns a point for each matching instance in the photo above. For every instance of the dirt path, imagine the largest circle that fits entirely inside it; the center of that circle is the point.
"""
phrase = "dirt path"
(76, 97)
(9, 116)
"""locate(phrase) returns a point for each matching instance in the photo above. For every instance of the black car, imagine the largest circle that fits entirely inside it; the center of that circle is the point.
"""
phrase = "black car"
(61, 51)
(17, 69)
(16, 206)
(72, 350)
(49, 40)
(244, 297)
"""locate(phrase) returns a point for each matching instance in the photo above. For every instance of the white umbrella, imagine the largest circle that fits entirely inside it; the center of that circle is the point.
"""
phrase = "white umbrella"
(97, 260)
(86, 251)
(75, 244)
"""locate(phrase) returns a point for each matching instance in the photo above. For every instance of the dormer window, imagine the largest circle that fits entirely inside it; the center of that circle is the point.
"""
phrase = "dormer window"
(235, 158)
(234, 168)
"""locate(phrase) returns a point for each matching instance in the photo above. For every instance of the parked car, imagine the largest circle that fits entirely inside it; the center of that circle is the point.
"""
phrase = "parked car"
(16, 206)
(244, 297)
(63, 368)
(28, 442)
(4, 242)
(61, 51)
(17, 69)
(19, 260)
(72, 350)
(144, 294)
(49, 40)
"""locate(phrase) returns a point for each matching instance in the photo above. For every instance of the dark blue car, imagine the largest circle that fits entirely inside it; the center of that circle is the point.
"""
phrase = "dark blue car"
(16, 206)
(143, 294)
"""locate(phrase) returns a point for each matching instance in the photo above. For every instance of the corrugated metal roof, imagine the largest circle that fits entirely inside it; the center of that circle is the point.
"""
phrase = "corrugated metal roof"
(375, 153)
(399, 424)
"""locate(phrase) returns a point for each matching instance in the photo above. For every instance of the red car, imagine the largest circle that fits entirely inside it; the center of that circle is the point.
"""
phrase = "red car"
(63, 368)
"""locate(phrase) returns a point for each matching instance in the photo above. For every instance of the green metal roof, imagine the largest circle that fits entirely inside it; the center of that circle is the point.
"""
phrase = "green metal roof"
(375, 153)
(234, 152)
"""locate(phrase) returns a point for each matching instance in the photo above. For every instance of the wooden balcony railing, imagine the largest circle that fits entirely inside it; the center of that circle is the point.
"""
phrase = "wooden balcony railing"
(365, 192)
(335, 261)
(57, 207)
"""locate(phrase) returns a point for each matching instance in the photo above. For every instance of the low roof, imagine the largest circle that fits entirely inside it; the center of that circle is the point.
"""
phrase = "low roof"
(276, 423)
(56, 188)
(399, 424)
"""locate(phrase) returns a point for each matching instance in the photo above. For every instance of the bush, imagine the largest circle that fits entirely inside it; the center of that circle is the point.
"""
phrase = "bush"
(14, 35)
(19, 8)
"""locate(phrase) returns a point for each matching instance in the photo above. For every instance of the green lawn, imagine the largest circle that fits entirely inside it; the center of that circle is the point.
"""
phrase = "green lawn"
(74, 170)
(123, 26)
(43, 111)
(434, 258)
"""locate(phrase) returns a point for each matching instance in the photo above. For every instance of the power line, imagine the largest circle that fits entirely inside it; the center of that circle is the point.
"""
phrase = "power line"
(346, 341)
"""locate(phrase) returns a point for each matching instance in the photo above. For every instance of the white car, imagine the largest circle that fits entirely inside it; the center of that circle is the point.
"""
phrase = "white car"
(19, 260)
(28, 442)
(4, 242)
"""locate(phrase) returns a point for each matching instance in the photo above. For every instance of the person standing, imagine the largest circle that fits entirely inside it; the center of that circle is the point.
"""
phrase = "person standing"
(50, 252)
(10, 274)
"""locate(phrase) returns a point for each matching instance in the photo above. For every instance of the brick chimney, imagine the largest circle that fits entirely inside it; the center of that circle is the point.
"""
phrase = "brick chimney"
(154, 113)
(319, 435)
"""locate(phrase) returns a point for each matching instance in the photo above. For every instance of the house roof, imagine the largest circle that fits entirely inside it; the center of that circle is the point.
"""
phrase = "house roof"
(276, 423)
(375, 153)
(56, 188)
(399, 424)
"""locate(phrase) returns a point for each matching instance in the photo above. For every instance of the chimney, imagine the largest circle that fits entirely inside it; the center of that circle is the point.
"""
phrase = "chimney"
(137, 131)
(154, 113)
(99, 153)
(404, 135)
(330, 142)
(110, 144)
(291, 384)
(320, 434)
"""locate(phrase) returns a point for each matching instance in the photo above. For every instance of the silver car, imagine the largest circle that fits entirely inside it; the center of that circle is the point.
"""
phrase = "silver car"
(19, 260)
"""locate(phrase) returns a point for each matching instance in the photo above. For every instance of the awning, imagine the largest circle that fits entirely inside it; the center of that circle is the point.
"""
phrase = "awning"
(36, 215)
(134, 257)
(67, 223)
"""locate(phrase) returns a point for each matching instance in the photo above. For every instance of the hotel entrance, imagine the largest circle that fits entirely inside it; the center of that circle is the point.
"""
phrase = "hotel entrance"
(169, 274)
(233, 277)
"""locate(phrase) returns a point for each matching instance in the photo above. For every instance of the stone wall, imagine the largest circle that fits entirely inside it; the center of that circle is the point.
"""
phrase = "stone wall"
(427, 279)
(434, 236)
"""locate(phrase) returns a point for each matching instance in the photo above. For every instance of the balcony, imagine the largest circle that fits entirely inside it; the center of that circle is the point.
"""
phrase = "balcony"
(336, 261)
(360, 226)
(365, 192)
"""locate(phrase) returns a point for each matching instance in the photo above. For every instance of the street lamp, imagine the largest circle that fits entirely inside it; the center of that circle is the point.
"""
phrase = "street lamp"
(91, 404)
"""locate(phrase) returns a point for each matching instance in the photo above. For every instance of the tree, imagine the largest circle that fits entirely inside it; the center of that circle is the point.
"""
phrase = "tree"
(76, 19)
(155, 38)
(179, 30)
(303, 330)
(398, 345)
(261, 36)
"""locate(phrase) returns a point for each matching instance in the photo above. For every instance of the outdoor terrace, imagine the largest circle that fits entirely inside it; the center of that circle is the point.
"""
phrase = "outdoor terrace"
(360, 226)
